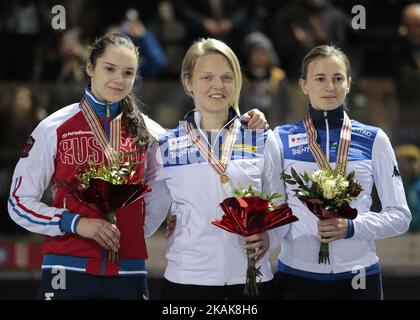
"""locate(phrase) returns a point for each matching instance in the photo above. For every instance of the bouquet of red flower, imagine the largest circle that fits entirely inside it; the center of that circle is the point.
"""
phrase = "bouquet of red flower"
(110, 188)
(250, 213)
(327, 195)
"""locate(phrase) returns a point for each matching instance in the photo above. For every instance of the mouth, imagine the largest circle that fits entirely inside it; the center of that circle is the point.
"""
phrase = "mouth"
(329, 97)
(217, 96)
(116, 89)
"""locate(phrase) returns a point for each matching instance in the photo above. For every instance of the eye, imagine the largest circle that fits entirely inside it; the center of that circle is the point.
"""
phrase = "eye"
(338, 79)
(110, 69)
(319, 79)
(129, 73)
(205, 77)
(227, 78)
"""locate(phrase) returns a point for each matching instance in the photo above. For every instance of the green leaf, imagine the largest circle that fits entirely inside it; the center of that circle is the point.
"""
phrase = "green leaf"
(350, 175)
(290, 181)
(295, 176)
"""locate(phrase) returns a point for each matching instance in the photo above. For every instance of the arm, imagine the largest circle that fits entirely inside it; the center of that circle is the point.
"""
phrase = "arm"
(395, 216)
(153, 58)
(28, 186)
(157, 201)
(272, 182)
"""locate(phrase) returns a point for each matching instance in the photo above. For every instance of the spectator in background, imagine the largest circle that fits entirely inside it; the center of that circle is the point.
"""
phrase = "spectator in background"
(296, 27)
(406, 60)
(21, 23)
(64, 62)
(264, 79)
(227, 20)
(408, 156)
(23, 111)
(153, 58)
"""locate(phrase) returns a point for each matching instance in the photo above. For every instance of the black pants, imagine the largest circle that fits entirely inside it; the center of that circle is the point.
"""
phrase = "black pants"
(291, 287)
(176, 291)
(70, 285)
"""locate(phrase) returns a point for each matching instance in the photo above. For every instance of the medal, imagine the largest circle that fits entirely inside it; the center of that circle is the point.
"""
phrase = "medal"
(224, 178)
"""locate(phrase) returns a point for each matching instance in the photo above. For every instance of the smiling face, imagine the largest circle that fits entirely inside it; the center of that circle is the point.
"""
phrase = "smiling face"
(113, 75)
(212, 83)
(326, 83)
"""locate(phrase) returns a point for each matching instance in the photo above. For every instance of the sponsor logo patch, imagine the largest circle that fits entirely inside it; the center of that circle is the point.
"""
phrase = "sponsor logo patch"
(179, 143)
(28, 146)
(298, 139)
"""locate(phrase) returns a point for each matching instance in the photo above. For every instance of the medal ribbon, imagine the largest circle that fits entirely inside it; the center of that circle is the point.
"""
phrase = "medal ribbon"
(111, 148)
(343, 150)
(219, 166)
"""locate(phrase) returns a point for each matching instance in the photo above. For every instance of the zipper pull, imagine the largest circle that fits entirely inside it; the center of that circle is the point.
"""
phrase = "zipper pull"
(107, 110)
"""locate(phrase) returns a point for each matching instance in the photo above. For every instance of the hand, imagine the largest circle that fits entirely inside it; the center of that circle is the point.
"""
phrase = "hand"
(260, 242)
(170, 224)
(211, 26)
(332, 229)
(103, 232)
(255, 119)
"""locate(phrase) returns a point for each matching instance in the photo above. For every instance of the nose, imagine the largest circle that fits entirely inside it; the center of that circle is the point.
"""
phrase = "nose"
(329, 84)
(218, 82)
(118, 78)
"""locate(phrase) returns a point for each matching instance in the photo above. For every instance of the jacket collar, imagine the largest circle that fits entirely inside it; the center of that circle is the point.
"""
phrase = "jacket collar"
(334, 117)
(195, 117)
(99, 106)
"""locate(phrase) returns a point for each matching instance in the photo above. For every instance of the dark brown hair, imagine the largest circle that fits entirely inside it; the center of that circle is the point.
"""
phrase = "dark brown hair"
(132, 117)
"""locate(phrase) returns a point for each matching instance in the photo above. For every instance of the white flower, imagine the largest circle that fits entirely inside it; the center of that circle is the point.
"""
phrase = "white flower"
(329, 189)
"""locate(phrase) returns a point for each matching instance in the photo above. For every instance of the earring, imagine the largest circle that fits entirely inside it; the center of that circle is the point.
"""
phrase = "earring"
(348, 90)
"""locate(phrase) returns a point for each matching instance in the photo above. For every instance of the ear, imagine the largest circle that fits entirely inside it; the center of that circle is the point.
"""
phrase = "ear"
(302, 84)
(349, 85)
(188, 85)
(89, 68)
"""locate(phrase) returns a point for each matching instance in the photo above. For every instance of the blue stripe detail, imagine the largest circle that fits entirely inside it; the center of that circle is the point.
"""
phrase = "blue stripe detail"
(371, 270)
(103, 262)
(66, 221)
(350, 230)
(68, 261)
(22, 215)
(126, 265)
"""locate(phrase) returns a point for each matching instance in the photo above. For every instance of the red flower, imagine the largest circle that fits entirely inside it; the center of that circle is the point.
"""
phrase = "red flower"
(251, 215)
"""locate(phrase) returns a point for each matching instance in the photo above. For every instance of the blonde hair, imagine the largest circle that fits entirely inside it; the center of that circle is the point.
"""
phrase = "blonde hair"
(204, 47)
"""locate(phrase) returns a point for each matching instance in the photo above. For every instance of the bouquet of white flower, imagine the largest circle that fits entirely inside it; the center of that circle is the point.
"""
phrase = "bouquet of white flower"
(327, 194)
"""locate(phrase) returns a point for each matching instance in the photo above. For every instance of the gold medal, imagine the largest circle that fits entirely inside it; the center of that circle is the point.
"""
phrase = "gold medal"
(224, 178)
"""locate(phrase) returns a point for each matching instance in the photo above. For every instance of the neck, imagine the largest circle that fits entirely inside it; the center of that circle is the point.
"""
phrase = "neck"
(213, 121)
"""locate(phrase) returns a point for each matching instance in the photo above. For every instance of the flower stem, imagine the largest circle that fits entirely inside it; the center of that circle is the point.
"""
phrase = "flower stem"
(324, 254)
(251, 286)
(112, 218)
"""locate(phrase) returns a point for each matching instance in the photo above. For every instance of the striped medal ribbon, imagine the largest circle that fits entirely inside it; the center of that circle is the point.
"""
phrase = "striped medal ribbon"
(343, 150)
(220, 166)
(110, 148)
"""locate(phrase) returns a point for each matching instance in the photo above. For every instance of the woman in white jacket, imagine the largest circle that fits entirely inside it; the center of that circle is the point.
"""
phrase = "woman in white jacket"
(202, 160)
(354, 269)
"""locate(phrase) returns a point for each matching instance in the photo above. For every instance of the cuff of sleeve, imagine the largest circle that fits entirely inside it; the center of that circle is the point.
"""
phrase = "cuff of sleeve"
(350, 230)
(69, 221)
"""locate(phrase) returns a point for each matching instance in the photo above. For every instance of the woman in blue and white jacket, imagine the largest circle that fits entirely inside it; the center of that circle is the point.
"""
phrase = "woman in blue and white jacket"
(354, 269)
(203, 159)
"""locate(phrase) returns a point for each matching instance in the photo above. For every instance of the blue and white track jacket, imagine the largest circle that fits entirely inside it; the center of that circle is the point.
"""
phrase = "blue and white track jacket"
(372, 158)
(198, 252)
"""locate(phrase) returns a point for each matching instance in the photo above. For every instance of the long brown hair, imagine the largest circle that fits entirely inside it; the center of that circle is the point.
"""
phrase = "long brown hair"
(132, 117)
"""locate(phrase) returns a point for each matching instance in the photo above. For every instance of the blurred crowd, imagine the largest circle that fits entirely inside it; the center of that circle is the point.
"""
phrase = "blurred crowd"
(39, 65)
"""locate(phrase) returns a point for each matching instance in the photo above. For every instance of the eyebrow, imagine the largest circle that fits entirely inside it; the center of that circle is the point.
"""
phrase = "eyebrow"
(323, 74)
(114, 65)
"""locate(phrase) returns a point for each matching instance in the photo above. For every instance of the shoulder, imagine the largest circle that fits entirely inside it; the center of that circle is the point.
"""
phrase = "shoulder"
(59, 117)
(154, 128)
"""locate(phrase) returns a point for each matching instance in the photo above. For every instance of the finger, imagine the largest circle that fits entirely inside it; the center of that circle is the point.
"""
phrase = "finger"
(253, 238)
(252, 121)
(116, 232)
(103, 244)
(329, 234)
(326, 228)
(109, 239)
(245, 117)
